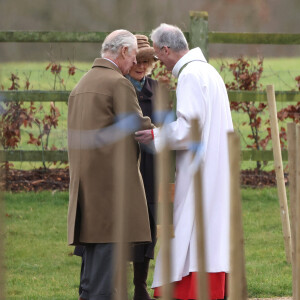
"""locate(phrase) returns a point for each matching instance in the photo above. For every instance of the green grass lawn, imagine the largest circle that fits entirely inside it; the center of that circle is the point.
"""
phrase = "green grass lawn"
(39, 264)
(278, 71)
(268, 274)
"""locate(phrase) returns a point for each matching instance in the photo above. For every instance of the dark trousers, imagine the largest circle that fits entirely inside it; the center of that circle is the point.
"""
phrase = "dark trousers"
(98, 272)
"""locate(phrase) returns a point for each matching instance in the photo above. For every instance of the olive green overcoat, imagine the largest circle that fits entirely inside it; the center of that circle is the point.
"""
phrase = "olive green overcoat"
(100, 96)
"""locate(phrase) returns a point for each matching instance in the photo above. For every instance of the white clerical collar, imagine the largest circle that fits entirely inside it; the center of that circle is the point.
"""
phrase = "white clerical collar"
(111, 61)
(193, 54)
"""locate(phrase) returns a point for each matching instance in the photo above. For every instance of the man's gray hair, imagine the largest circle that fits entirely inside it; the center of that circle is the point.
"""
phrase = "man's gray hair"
(116, 40)
(170, 36)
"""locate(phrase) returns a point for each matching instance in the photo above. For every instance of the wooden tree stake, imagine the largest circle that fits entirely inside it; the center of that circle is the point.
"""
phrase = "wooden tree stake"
(297, 267)
(2, 282)
(284, 212)
(202, 285)
(237, 276)
(291, 137)
(121, 230)
(163, 180)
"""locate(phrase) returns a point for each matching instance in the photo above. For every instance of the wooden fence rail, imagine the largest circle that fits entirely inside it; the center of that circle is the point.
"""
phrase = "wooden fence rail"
(62, 155)
(197, 36)
(214, 37)
(62, 96)
(34, 155)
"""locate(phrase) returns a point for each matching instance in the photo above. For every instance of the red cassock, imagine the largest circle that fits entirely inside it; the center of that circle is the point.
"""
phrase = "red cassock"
(187, 287)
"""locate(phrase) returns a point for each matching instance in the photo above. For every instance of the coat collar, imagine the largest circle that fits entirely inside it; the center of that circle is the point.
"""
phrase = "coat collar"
(104, 63)
(148, 88)
(193, 54)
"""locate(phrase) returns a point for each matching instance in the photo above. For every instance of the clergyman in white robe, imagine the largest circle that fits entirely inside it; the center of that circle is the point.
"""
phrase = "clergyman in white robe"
(201, 94)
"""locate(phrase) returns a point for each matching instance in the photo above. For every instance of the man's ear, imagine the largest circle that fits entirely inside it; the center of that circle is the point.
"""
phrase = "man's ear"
(124, 51)
(166, 50)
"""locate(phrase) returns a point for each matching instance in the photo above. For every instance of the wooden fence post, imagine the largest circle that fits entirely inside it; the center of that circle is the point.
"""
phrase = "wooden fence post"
(291, 137)
(237, 275)
(202, 292)
(199, 31)
(297, 288)
(284, 212)
(162, 184)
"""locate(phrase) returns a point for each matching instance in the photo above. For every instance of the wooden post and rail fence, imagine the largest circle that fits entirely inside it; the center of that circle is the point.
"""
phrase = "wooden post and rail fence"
(197, 36)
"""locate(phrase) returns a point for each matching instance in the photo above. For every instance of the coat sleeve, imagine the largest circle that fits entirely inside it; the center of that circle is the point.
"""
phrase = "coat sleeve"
(190, 104)
(125, 102)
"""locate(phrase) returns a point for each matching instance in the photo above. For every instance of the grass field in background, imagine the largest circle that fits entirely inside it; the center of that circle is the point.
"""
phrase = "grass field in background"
(278, 71)
(40, 266)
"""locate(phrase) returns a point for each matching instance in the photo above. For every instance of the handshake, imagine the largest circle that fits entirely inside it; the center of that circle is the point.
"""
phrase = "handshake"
(144, 136)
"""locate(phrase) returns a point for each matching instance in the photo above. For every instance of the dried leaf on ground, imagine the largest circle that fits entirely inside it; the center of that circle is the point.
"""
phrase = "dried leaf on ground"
(58, 179)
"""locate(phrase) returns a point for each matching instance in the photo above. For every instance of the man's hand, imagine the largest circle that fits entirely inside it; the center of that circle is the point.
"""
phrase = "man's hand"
(144, 136)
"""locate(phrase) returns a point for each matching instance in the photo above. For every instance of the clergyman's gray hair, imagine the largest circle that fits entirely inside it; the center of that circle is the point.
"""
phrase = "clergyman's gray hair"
(170, 36)
(116, 40)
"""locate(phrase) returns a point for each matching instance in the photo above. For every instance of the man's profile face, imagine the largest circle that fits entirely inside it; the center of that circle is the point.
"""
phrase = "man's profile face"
(158, 53)
(129, 60)
(163, 56)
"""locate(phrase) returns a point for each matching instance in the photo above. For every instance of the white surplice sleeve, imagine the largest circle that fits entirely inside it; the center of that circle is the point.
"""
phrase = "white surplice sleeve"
(190, 104)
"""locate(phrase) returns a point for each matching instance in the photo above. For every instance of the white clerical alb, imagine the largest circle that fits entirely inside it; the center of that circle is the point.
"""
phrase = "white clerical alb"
(201, 94)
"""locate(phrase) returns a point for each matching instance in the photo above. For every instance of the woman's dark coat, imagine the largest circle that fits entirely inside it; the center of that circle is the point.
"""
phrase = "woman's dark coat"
(147, 168)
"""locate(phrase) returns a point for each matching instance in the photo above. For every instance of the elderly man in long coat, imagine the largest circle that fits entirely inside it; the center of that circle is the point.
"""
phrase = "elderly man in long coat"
(201, 94)
(101, 96)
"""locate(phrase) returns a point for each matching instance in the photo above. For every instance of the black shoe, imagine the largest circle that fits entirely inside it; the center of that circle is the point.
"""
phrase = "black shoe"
(140, 274)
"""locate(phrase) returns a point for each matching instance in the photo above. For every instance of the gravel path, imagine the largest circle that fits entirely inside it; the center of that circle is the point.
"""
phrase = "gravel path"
(284, 298)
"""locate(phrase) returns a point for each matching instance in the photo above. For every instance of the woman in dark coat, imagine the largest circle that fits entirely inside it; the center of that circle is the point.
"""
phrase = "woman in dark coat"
(145, 89)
